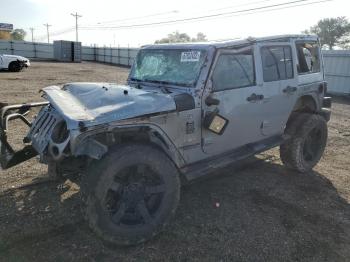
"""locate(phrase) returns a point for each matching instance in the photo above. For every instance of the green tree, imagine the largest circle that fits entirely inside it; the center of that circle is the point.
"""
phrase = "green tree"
(177, 37)
(332, 31)
(200, 38)
(18, 34)
(344, 43)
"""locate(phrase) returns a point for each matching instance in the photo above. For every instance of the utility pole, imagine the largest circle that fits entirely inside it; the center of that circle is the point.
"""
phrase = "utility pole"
(76, 25)
(47, 30)
(32, 30)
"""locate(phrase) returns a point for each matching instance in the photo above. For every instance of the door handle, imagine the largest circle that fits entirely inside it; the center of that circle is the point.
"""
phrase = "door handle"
(290, 89)
(254, 97)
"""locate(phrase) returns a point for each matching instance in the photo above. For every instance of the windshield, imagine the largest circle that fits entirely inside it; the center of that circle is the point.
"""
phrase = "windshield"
(168, 66)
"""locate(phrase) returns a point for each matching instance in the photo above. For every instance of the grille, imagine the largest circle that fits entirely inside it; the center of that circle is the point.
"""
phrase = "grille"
(41, 129)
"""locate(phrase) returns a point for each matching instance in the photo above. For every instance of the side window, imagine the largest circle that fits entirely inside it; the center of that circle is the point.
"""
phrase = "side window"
(234, 71)
(308, 57)
(277, 63)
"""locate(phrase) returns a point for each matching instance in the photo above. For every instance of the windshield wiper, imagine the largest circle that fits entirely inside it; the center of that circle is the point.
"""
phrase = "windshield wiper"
(157, 81)
(150, 81)
(135, 79)
(166, 82)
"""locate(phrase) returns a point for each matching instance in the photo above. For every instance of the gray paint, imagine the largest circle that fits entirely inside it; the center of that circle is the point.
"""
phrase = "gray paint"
(67, 51)
(100, 103)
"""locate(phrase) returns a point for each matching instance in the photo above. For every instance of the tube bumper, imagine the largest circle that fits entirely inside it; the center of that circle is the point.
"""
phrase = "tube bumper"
(8, 156)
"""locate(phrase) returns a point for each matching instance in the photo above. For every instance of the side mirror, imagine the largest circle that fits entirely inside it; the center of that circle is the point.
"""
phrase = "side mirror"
(209, 101)
(215, 122)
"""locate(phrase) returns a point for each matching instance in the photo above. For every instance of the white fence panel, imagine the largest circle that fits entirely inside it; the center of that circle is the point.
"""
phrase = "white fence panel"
(119, 56)
(337, 71)
(88, 53)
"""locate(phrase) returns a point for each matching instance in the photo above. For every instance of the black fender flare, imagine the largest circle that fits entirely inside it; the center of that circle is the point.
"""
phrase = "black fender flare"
(157, 137)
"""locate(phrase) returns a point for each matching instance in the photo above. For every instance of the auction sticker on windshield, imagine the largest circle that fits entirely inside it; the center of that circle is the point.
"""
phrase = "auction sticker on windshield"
(191, 56)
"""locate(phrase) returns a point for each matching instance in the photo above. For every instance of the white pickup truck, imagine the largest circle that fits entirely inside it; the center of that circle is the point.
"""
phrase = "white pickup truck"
(13, 63)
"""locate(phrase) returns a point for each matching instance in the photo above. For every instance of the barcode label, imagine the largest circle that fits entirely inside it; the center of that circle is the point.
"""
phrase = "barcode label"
(192, 56)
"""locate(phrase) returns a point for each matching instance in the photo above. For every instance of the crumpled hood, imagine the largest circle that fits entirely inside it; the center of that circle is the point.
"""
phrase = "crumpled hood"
(16, 57)
(99, 103)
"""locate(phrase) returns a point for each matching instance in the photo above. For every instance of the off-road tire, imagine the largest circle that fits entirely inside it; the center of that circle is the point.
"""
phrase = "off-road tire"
(98, 190)
(304, 130)
(15, 66)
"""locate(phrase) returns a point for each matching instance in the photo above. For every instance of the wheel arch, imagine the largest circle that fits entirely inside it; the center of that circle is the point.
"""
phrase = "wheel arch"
(145, 134)
(14, 62)
(306, 104)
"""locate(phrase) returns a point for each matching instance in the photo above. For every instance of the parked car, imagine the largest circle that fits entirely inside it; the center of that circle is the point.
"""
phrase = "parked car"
(187, 110)
(13, 63)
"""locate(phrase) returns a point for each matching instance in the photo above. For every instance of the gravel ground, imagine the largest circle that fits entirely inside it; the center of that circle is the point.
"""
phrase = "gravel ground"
(265, 213)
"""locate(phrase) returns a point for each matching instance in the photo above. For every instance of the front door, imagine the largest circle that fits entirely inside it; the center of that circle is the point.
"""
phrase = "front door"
(233, 84)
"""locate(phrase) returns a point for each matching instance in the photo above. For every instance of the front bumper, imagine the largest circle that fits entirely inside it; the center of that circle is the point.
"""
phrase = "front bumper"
(8, 156)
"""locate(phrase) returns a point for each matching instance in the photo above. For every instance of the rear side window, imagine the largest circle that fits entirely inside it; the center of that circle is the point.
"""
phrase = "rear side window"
(308, 58)
(277, 63)
(234, 71)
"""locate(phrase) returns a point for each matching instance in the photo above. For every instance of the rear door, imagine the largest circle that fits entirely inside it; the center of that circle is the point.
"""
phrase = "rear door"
(279, 85)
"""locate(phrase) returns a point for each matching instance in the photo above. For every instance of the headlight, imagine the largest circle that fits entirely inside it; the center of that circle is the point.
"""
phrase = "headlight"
(60, 133)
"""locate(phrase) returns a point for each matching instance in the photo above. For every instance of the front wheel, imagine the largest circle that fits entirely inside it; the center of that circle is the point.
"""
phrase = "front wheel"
(308, 141)
(131, 194)
(15, 67)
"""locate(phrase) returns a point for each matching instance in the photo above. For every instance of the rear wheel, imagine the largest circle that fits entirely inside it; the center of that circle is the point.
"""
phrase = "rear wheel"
(307, 143)
(15, 67)
(130, 194)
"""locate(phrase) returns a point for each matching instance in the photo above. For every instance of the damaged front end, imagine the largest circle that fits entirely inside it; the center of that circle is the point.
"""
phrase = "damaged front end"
(71, 123)
(8, 156)
(48, 133)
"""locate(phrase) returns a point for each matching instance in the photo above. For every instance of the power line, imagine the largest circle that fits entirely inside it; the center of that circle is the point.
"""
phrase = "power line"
(76, 25)
(69, 29)
(55, 33)
(231, 13)
(281, 8)
(240, 5)
(135, 18)
(47, 31)
(173, 12)
(243, 12)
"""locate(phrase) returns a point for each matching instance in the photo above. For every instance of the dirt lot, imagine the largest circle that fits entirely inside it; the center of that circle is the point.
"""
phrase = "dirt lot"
(266, 213)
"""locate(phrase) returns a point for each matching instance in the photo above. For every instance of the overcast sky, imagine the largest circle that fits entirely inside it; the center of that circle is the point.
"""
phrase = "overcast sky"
(34, 13)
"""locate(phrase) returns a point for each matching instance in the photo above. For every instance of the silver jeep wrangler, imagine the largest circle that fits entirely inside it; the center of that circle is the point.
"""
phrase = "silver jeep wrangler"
(187, 109)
